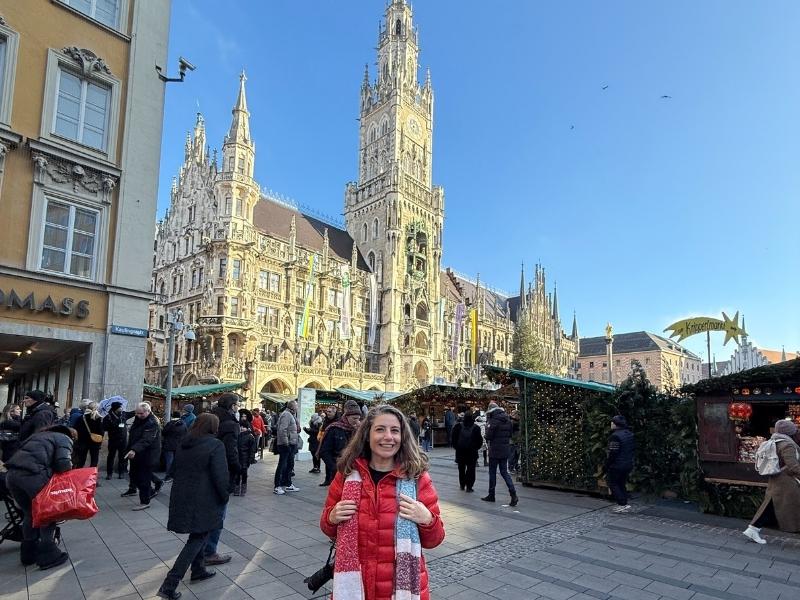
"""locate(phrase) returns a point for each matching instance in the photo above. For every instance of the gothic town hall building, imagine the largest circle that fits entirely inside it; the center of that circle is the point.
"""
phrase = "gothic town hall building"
(284, 300)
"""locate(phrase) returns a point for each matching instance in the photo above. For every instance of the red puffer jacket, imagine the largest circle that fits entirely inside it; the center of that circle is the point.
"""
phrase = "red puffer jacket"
(377, 513)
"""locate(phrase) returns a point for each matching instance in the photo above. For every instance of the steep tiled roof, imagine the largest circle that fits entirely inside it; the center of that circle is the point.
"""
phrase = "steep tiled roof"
(637, 341)
(275, 219)
(494, 302)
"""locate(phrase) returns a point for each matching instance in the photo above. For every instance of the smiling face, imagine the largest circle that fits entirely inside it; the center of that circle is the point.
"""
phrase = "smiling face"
(385, 436)
(16, 411)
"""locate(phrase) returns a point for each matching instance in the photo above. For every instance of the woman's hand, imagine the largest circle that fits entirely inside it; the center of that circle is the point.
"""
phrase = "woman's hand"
(415, 511)
(342, 511)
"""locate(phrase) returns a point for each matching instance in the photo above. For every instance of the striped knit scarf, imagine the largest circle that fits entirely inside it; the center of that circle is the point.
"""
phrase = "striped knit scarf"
(347, 583)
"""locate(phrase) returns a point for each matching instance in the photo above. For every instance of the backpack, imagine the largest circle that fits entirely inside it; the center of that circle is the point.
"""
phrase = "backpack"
(465, 438)
(767, 462)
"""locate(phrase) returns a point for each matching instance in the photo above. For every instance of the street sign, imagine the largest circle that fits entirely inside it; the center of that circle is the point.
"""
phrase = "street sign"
(131, 331)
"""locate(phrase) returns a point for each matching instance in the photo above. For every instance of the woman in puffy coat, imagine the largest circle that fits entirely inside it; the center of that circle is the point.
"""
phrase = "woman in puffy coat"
(33, 464)
(9, 430)
(199, 493)
(382, 503)
(467, 440)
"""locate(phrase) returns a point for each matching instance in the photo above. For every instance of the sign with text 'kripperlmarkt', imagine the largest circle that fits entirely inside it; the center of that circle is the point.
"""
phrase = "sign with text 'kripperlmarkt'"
(689, 327)
(131, 331)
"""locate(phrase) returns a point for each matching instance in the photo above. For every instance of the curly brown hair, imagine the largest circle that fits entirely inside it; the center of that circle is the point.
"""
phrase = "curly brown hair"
(409, 458)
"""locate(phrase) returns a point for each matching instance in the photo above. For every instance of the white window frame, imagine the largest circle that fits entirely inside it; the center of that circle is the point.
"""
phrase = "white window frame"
(122, 15)
(277, 280)
(36, 242)
(56, 61)
(8, 73)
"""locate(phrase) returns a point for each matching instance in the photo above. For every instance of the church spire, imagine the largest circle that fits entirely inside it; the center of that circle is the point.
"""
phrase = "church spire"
(574, 335)
(522, 288)
(555, 304)
(240, 124)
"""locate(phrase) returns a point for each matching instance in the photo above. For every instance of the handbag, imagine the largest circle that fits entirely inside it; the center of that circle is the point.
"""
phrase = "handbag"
(97, 438)
(68, 495)
(324, 575)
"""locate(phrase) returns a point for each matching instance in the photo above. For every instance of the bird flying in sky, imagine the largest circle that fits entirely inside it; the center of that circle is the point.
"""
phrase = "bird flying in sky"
(665, 97)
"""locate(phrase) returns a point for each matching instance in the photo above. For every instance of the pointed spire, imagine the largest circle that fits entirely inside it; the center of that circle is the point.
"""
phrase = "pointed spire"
(522, 303)
(240, 124)
(365, 83)
(783, 350)
(555, 303)
(744, 330)
(574, 335)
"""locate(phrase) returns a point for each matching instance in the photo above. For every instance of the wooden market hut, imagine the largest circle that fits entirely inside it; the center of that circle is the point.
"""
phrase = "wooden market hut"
(555, 448)
(736, 412)
(201, 396)
(433, 400)
(323, 398)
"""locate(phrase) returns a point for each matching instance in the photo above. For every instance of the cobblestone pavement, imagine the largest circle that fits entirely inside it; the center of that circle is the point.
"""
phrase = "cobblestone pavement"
(554, 545)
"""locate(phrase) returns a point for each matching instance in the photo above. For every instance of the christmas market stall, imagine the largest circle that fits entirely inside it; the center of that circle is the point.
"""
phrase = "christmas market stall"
(736, 413)
(324, 398)
(432, 401)
(556, 441)
(200, 396)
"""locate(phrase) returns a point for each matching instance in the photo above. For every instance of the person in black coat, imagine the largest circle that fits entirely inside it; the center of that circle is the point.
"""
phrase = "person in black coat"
(226, 411)
(38, 416)
(467, 440)
(337, 436)
(247, 451)
(89, 423)
(498, 435)
(313, 429)
(33, 464)
(619, 462)
(197, 500)
(143, 452)
(10, 423)
(173, 433)
(114, 425)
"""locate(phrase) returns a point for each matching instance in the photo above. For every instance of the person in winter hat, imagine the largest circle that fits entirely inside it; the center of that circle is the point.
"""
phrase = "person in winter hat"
(117, 430)
(781, 505)
(336, 438)
(619, 461)
(38, 416)
(188, 417)
(247, 451)
(498, 435)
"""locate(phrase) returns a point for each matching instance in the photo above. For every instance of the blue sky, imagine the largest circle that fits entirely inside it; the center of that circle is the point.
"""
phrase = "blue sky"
(643, 210)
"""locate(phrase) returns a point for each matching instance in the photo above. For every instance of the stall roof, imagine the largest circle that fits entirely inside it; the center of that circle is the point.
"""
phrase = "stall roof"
(784, 373)
(454, 392)
(588, 385)
(195, 391)
(368, 395)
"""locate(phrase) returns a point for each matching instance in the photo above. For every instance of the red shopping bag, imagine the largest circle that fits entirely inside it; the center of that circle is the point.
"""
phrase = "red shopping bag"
(68, 495)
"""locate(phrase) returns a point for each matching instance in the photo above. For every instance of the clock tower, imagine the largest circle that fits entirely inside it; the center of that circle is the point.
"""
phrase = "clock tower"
(394, 212)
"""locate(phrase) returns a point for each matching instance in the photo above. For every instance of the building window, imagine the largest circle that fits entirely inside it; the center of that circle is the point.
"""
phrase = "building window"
(221, 305)
(69, 239)
(234, 307)
(82, 110)
(375, 229)
(272, 317)
(239, 203)
(261, 313)
(263, 280)
(236, 271)
(578, 365)
(223, 268)
(274, 282)
(9, 42)
(364, 233)
(200, 276)
(371, 260)
(591, 364)
(105, 11)
(335, 298)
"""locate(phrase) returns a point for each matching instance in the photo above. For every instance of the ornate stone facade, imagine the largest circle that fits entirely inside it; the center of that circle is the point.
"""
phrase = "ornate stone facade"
(236, 261)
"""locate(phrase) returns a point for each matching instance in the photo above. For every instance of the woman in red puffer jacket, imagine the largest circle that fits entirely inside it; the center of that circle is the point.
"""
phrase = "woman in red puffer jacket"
(381, 451)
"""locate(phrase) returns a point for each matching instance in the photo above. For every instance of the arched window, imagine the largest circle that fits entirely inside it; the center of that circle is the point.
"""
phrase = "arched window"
(241, 164)
(375, 229)
(422, 311)
(227, 205)
(373, 134)
(230, 163)
(398, 27)
(385, 127)
(364, 233)
(421, 341)
(371, 260)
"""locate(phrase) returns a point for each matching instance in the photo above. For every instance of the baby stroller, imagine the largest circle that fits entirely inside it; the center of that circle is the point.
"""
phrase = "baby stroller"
(13, 527)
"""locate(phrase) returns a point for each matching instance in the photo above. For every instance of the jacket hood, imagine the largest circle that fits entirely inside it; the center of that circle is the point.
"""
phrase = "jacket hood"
(223, 414)
(495, 410)
(499, 414)
(190, 441)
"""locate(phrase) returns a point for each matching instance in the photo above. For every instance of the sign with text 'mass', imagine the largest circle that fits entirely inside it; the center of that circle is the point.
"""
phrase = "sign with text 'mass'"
(66, 307)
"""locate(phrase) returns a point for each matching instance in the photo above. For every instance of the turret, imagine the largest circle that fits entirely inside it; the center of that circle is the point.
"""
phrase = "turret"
(238, 149)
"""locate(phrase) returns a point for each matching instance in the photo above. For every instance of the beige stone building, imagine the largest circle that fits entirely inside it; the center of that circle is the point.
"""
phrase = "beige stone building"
(381, 313)
(80, 137)
(668, 364)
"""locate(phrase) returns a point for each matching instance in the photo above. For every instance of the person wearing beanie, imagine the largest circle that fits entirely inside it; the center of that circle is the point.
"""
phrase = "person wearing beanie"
(226, 411)
(38, 416)
(173, 433)
(286, 440)
(116, 428)
(781, 505)
(499, 430)
(337, 436)
(619, 461)
(188, 417)
(247, 451)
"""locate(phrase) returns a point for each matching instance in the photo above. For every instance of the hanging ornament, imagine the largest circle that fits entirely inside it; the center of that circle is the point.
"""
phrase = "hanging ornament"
(787, 390)
(745, 391)
(797, 390)
(756, 391)
(739, 412)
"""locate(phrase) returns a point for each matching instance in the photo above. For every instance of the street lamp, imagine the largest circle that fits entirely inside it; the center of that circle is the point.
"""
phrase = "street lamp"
(610, 351)
(176, 324)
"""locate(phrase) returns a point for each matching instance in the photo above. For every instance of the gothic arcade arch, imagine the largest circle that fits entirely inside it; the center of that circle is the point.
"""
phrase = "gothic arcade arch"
(313, 384)
(276, 385)
(421, 372)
